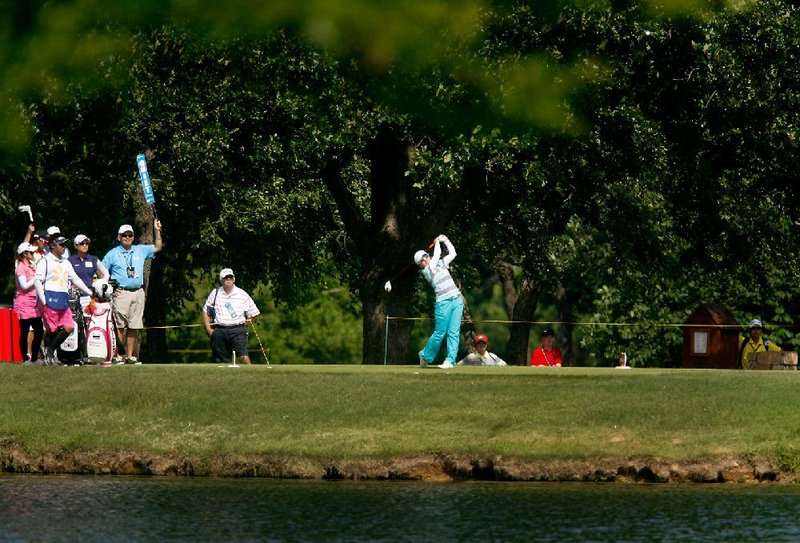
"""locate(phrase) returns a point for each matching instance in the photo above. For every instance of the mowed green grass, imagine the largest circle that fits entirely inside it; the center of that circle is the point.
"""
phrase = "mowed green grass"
(364, 412)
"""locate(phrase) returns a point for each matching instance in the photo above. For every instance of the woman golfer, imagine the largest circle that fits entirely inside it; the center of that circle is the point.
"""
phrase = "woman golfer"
(449, 305)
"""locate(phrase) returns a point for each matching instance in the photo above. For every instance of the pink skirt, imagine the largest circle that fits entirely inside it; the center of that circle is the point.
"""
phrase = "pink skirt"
(26, 304)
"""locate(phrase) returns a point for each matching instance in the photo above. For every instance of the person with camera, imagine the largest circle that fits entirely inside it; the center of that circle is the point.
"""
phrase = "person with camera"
(53, 276)
(227, 312)
(125, 264)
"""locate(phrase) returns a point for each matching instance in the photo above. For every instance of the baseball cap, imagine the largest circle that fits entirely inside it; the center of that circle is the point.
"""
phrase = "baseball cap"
(481, 338)
(53, 230)
(225, 272)
(39, 234)
(548, 332)
(125, 228)
(22, 247)
(80, 238)
(57, 239)
(419, 255)
(755, 323)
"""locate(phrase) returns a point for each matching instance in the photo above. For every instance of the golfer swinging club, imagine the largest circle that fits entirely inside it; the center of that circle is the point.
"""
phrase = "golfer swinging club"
(449, 304)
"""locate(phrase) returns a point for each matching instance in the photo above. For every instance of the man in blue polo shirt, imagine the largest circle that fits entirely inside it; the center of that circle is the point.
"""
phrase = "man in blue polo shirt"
(125, 264)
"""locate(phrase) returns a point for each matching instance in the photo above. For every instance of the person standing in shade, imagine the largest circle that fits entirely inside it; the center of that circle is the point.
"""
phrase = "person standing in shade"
(86, 265)
(227, 312)
(125, 264)
(26, 304)
(756, 343)
(54, 274)
(449, 305)
(547, 354)
(481, 356)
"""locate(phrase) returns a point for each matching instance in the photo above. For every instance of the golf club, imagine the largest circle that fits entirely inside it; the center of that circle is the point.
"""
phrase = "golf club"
(23, 209)
(388, 285)
(263, 352)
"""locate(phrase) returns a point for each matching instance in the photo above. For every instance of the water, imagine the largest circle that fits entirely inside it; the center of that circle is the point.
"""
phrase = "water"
(109, 509)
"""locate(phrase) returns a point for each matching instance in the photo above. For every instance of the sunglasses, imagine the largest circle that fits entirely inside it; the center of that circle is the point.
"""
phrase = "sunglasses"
(126, 235)
(84, 243)
(228, 277)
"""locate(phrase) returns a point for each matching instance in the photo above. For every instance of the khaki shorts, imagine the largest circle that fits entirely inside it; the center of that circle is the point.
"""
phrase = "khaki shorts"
(129, 309)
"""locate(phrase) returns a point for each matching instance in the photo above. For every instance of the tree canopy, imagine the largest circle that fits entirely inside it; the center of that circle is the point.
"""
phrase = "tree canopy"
(621, 162)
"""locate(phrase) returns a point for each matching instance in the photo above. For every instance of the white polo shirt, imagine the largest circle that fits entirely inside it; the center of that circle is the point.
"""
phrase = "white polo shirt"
(231, 309)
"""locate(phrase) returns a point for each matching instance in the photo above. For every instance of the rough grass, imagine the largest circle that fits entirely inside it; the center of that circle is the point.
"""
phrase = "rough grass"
(373, 412)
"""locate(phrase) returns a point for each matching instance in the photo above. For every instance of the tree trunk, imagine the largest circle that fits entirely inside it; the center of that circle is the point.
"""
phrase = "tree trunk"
(385, 240)
(566, 331)
(377, 304)
(521, 304)
(154, 309)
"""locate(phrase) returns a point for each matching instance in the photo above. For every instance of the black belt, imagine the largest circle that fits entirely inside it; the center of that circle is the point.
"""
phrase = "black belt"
(131, 289)
(228, 325)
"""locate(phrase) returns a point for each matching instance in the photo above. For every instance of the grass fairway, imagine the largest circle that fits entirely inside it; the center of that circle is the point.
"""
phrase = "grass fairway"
(308, 418)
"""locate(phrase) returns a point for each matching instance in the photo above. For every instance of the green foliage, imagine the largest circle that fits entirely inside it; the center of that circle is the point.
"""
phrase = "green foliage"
(630, 167)
(326, 330)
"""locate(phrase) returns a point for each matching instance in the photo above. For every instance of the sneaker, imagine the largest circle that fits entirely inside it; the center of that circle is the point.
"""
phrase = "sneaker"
(446, 365)
(422, 362)
(49, 357)
(118, 360)
(133, 360)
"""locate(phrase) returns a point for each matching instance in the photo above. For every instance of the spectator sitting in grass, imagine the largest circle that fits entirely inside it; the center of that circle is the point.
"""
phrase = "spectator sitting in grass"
(481, 357)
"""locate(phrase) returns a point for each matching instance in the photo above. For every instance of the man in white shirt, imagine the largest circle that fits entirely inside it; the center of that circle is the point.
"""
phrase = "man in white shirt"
(227, 312)
(481, 356)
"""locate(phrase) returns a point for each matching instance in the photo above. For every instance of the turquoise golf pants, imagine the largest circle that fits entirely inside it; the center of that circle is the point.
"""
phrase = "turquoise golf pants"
(447, 314)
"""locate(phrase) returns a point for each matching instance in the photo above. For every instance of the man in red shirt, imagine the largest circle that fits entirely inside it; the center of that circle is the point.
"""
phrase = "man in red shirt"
(547, 355)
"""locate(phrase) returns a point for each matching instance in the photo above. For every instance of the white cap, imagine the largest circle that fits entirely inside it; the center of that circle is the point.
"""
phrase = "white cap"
(225, 272)
(755, 323)
(124, 228)
(24, 246)
(419, 255)
(53, 230)
(80, 238)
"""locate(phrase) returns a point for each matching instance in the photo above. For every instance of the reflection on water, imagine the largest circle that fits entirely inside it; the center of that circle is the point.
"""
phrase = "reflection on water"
(35, 508)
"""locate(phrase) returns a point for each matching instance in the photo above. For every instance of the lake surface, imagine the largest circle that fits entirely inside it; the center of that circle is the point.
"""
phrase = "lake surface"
(109, 509)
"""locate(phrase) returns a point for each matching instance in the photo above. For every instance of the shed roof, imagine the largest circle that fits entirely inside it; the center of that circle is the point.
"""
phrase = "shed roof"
(712, 313)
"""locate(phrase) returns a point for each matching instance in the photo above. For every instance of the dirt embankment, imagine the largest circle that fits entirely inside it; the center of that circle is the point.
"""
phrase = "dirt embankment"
(425, 467)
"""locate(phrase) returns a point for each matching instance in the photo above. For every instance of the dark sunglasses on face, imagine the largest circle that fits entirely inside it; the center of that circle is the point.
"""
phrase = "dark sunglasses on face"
(126, 235)
(84, 243)
(227, 277)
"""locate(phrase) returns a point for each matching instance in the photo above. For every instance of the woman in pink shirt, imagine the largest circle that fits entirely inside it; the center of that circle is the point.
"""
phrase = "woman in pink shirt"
(26, 303)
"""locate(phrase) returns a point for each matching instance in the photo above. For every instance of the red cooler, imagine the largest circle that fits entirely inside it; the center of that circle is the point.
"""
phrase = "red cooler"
(9, 336)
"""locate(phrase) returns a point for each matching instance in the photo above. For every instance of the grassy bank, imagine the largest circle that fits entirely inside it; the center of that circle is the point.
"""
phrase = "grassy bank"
(367, 421)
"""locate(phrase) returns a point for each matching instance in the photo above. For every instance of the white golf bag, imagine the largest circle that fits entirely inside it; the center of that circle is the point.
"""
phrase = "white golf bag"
(101, 336)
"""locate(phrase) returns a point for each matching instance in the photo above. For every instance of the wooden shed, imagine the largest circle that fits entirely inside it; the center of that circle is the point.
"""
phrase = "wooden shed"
(712, 340)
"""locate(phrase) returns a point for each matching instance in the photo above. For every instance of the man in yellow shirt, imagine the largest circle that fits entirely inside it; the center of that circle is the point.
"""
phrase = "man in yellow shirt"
(754, 344)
